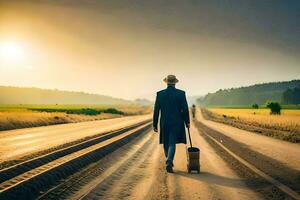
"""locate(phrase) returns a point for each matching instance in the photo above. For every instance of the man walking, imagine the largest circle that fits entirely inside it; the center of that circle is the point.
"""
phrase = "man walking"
(194, 111)
(174, 115)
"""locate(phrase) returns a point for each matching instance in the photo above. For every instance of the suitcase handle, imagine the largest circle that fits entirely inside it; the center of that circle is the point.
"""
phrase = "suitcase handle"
(190, 137)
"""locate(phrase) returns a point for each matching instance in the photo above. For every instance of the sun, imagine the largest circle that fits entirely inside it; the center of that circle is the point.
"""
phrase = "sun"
(11, 52)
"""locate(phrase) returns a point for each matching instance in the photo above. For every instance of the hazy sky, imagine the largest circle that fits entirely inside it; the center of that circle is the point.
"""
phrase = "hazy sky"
(125, 48)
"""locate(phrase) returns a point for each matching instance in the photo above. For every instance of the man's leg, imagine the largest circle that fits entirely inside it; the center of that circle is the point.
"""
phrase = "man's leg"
(166, 149)
(171, 153)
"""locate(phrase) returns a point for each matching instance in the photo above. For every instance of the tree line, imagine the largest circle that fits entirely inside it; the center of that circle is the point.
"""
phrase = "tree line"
(286, 92)
(291, 96)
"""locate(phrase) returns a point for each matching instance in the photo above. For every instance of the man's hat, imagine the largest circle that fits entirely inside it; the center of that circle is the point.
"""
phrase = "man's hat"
(171, 79)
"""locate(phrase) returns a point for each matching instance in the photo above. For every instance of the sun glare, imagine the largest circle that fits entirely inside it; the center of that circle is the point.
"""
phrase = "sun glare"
(11, 52)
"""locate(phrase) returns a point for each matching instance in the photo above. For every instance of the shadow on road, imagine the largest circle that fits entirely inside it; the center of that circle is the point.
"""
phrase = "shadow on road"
(212, 179)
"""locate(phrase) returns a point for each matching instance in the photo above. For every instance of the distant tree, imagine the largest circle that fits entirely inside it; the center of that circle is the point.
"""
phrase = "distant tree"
(291, 96)
(274, 107)
(255, 106)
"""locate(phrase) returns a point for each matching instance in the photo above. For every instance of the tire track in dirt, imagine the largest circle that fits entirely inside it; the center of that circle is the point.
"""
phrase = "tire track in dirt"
(143, 176)
(78, 181)
(255, 182)
(215, 181)
(123, 181)
(159, 188)
(137, 171)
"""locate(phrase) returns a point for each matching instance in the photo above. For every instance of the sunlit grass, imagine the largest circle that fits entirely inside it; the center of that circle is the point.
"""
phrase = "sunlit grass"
(288, 120)
(23, 116)
(246, 111)
(127, 109)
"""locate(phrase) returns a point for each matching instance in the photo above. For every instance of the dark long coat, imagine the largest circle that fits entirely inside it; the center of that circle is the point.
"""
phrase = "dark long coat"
(172, 106)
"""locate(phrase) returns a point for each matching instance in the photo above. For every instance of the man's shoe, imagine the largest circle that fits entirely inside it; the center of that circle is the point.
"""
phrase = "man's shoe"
(169, 163)
(169, 168)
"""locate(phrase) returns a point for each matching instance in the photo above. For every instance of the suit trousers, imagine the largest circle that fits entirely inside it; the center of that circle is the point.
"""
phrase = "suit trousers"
(170, 148)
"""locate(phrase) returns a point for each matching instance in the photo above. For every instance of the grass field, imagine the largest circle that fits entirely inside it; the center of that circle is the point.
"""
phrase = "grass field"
(287, 107)
(24, 116)
(285, 126)
(262, 115)
(127, 109)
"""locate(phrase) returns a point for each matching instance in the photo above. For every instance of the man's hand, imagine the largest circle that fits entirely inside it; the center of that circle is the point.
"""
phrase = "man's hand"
(155, 129)
(188, 125)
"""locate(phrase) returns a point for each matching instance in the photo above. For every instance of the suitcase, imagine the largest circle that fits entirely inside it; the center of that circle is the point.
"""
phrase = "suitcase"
(193, 157)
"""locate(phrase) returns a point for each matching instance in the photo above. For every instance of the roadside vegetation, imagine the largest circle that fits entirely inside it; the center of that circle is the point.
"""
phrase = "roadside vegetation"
(80, 111)
(255, 106)
(285, 126)
(275, 107)
(25, 116)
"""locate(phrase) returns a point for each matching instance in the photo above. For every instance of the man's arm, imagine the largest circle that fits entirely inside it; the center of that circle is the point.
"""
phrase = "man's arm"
(156, 114)
(185, 110)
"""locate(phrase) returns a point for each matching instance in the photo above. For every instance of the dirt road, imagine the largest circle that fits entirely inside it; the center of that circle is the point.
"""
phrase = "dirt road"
(15, 144)
(285, 152)
(137, 171)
